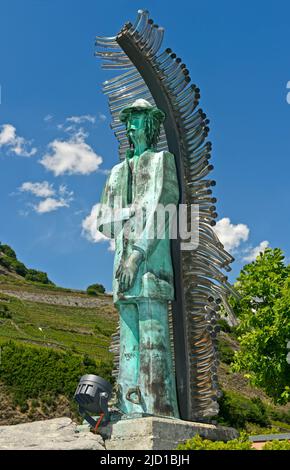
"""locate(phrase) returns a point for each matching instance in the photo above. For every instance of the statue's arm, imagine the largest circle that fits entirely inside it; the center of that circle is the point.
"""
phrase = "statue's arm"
(110, 216)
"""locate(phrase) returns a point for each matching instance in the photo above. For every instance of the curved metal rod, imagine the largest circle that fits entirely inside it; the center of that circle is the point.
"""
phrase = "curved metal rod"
(120, 78)
(116, 66)
(142, 38)
(123, 90)
(107, 89)
(157, 42)
(137, 21)
(141, 22)
(188, 93)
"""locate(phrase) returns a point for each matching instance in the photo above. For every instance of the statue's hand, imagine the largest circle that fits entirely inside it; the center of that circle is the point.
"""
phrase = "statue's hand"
(128, 269)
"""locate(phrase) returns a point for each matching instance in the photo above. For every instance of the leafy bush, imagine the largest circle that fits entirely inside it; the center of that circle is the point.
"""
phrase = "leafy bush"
(18, 267)
(279, 415)
(263, 310)
(37, 276)
(282, 426)
(4, 261)
(198, 443)
(236, 410)
(14, 265)
(7, 250)
(224, 325)
(226, 353)
(5, 312)
(277, 445)
(254, 429)
(96, 289)
(32, 372)
(9, 260)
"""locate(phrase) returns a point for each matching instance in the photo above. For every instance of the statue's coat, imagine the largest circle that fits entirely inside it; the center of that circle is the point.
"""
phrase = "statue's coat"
(153, 181)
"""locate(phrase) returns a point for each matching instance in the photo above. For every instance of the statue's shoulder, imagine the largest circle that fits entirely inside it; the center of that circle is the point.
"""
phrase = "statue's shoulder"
(163, 154)
(167, 154)
(165, 158)
(117, 168)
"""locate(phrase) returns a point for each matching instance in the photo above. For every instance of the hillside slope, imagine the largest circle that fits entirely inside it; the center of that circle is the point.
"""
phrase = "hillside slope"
(42, 316)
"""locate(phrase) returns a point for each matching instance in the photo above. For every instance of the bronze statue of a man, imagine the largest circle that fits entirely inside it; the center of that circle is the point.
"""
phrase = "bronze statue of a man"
(143, 281)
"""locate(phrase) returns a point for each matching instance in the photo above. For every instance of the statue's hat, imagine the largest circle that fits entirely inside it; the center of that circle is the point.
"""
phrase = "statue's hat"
(141, 105)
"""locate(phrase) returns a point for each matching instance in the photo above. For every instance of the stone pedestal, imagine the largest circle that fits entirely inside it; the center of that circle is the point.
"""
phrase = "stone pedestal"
(126, 434)
(154, 433)
(50, 434)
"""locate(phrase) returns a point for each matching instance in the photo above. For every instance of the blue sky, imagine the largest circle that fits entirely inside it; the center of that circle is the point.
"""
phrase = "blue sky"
(238, 54)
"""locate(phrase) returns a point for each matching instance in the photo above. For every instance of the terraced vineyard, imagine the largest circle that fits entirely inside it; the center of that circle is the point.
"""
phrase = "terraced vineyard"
(56, 318)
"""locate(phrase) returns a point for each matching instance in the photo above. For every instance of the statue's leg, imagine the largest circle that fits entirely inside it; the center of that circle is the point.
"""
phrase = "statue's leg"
(129, 357)
(156, 377)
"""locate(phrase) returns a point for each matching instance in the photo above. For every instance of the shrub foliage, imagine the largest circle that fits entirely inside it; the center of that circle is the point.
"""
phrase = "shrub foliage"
(237, 410)
(264, 329)
(9, 260)
(198, 443)
(277, 445)
(96, 289)
(31, 372)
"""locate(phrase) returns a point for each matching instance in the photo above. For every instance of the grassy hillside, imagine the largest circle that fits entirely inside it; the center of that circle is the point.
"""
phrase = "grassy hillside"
(49, 337)
(46, 315)
(74, 338)
(65, 328)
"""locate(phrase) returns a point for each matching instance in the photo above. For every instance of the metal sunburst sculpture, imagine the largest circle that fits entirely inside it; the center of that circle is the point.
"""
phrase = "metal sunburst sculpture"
(168, 297)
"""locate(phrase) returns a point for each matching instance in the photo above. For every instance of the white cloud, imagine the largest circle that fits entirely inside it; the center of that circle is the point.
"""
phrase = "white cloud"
(69, 129)
(81, 119)
(43, 189)
(7, 134)
(72, 123)
(14, 143)
(231, 235)
(102, 117)
(50, 204)
(62, 197)
(48, 117)
(252, 253)
(90, 231)
(73, 156)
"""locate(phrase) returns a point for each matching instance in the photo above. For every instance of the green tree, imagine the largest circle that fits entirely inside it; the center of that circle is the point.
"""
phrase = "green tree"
(264, 329)
(17, 266)
(96, 289)
(7, 250)
(9, 260)
(37, 276)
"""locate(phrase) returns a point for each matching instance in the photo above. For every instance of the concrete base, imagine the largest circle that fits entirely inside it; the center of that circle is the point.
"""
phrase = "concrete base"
(154, 433)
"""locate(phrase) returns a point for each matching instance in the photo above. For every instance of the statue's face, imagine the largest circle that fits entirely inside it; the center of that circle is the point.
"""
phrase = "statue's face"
(136, 128)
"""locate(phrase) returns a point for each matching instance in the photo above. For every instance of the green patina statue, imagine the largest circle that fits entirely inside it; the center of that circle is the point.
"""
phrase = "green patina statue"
(143, 276)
